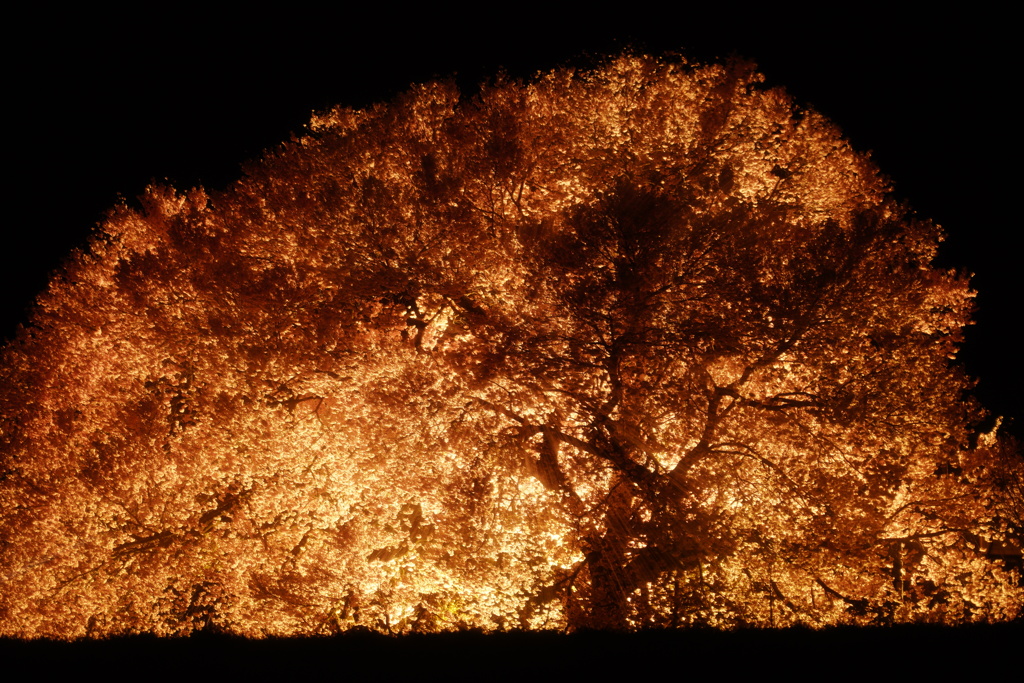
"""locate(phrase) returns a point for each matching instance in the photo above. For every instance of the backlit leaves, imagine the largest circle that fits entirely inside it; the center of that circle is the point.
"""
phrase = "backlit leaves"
(642, 346)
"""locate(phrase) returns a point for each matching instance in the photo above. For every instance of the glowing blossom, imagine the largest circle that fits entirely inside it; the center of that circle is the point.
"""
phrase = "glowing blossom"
(645, 346)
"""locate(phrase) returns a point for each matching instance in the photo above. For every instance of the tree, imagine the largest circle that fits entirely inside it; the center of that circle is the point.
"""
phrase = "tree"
(641, 346)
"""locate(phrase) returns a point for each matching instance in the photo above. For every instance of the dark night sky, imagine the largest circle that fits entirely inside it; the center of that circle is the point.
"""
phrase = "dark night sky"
(104, 104)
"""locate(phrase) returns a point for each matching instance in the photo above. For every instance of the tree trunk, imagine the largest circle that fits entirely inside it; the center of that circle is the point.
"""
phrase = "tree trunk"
(604, 601)
(601, 604)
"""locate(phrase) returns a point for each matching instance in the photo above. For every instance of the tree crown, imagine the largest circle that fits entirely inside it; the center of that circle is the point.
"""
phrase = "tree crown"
(640, 346)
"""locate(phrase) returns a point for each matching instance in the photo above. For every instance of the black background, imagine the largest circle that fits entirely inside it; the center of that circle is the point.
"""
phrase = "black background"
(103, 103)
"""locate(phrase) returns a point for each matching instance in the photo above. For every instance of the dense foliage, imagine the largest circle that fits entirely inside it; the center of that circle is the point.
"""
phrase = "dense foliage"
(637, 347)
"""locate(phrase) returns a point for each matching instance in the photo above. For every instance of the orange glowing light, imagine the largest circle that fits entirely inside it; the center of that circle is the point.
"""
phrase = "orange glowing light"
(645, 346)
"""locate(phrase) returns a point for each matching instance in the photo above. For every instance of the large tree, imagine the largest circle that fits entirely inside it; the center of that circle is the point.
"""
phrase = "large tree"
(645, 345)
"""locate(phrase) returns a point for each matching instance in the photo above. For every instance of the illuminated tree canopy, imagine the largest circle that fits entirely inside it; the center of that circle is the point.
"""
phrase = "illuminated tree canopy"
(643, 346)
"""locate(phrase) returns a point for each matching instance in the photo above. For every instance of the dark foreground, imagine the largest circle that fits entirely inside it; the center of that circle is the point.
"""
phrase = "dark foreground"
(992, 652)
